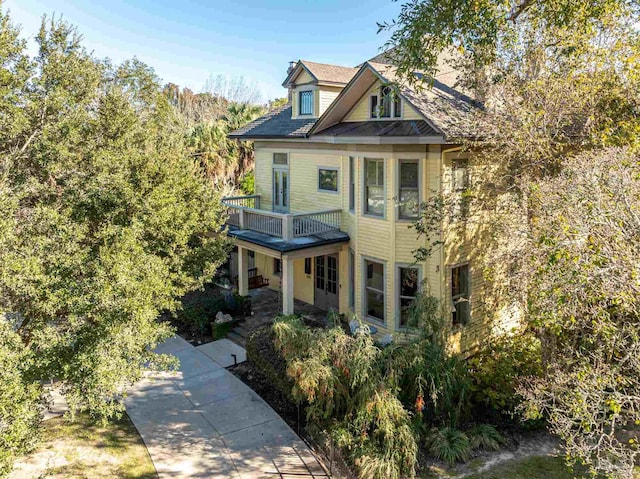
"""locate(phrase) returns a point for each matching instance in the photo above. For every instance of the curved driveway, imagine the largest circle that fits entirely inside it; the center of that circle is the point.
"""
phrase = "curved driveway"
(203, 422)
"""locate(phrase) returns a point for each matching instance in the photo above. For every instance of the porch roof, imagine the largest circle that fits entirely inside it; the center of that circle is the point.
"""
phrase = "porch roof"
(278, 244)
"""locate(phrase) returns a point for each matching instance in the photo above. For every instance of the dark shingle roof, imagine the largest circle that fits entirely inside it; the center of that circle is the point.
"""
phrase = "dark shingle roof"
(323, 72)
(275, 124)
(380, 128)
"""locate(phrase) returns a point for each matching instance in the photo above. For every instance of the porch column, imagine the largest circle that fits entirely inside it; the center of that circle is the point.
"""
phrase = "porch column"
(243, 271)
(287, 285)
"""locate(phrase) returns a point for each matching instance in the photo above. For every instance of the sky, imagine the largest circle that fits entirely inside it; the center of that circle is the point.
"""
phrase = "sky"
(190, 41)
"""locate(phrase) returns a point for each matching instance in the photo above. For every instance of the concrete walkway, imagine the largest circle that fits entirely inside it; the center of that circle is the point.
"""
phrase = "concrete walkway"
(203, 422)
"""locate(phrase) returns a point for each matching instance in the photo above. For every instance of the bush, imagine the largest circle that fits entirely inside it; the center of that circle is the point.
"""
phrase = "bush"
(486, 437)
(449, 445)
(196, 318)
(496, 371)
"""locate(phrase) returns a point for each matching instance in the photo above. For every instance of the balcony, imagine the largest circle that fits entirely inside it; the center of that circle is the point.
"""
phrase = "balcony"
(282, 231)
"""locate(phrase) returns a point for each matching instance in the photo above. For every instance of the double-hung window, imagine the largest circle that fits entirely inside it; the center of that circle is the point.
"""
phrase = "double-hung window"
(407, 291)
(305, 102)
(374, 187)
(409, 189)
(374, 290)
(460, 295)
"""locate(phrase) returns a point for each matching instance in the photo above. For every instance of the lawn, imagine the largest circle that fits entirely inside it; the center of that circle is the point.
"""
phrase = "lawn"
(533, 467)
(84, 449)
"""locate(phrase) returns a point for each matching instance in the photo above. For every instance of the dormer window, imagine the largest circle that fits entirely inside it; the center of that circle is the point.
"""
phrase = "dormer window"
(306, 102)
(385, 104)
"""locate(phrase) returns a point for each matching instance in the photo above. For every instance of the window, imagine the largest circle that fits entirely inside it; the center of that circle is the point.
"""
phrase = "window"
(374, 290)
(352, 280)
(277, 267)
(373, 106)
(328, 179)
(307, 266)
(280, 158)
(460, 291)
(352, 183)
(374, 187)
(386, 104)
(407, 290)
(409, 192)
(459, 186)
(306, 102)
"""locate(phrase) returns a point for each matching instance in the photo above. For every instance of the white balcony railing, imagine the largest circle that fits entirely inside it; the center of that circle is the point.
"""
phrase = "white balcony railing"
(244, 212)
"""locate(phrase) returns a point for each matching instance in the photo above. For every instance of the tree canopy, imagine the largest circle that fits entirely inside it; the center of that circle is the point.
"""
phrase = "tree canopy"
(105, 221)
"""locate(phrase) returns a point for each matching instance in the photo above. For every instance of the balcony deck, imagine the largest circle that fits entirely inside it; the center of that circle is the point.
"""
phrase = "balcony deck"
(282, 232)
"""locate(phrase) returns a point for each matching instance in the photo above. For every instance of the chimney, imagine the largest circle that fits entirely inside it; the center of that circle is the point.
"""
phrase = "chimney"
(292, 66)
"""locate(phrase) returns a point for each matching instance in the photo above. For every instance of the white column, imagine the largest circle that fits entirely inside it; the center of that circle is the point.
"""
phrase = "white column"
(287, 285)
(243, 271)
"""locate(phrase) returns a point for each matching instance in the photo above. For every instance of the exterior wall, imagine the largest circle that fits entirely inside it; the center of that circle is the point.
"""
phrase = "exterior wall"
(303, 283)
(360, 112)
(327, 95)
(303, 78)
(389, 240)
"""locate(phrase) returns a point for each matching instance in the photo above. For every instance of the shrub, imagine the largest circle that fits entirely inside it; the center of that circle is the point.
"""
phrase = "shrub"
(197, 317)
(341, 379)
(486, 437)
(496, 371)
(449, 445)
(262, 353)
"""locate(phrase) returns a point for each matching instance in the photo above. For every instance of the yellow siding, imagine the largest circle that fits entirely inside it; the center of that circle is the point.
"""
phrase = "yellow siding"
(327, 95)
(409, 113)
(303, 174)
(303, 77)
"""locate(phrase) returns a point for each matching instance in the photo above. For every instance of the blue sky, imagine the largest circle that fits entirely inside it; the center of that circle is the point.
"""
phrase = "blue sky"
(188, 41)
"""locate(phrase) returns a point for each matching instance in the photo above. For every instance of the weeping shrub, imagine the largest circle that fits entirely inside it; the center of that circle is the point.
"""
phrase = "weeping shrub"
(340, 378)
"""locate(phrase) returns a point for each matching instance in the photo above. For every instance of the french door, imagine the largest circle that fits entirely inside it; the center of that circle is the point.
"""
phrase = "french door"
(281, 190)
(326, 282)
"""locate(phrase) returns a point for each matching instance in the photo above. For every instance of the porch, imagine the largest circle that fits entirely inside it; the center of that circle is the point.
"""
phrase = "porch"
(307, 250)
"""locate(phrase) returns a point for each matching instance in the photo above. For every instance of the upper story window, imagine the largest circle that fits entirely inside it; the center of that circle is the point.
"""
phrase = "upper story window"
(374, 187)
(459, 187)
(385, 104)
(328, 179)
(408, 189)
(306, 102)
(460, 294)
(352, 184)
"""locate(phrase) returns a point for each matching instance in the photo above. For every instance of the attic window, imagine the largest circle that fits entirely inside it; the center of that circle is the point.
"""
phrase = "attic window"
(306, 102)
(385, 104)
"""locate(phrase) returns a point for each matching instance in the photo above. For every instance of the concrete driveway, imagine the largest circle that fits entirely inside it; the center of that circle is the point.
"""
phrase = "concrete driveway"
(203, 422)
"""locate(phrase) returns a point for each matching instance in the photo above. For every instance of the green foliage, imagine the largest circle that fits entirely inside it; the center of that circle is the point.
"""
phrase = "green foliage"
(21, 399)
(247, 185)
(498, 369)
(104, 218)
(449, 445)
(485, 436)
(262, 353)
(340, 377)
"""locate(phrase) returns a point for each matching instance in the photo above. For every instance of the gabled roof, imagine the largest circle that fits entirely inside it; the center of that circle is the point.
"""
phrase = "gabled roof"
(275, 124)
(447, 111)
(322, 73)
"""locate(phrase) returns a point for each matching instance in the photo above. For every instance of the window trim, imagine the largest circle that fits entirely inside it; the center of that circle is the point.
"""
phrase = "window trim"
(311, 92)
(352, 184)
(459, 208)
(365, 203)
(363, 299)
(329, 168)
(399, 217)
(460, 324)
(398, 298)
(279, 165)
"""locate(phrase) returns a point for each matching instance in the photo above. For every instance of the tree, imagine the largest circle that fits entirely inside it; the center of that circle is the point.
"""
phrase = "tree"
(106, 220)
(560, 83)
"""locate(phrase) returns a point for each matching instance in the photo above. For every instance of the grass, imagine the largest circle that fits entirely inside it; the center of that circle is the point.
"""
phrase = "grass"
(533, 467)
(84, 449)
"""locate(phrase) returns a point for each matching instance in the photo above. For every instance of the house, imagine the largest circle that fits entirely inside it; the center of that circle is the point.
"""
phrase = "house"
(340, 172)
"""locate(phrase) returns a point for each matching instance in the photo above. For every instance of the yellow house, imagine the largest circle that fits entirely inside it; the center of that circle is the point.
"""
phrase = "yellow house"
(340, 173)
